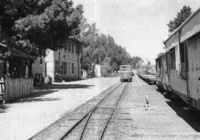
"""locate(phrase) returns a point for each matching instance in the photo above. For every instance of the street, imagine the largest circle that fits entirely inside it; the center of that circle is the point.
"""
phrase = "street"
(163, 119)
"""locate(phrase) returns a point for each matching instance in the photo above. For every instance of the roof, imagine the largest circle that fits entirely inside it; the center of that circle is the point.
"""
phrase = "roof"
(3, 45)
(160, 55)
(180, 27)
(3, 50)
(12, 52)
(78, 41)
(18, 53)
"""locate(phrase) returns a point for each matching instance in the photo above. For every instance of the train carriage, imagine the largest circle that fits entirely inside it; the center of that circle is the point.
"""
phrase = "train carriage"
(126, 73)
(178, 69)
(161, 70)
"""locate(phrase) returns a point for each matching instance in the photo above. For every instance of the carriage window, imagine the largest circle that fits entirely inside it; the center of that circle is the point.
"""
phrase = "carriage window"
(183, 57)
(168, 62)
(173, 60)
(182, 52)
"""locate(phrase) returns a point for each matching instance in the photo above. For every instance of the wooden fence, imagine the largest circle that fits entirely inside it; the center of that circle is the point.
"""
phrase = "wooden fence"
(17, 88)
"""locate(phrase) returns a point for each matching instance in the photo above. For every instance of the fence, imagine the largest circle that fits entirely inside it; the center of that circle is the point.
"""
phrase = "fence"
(18, 87)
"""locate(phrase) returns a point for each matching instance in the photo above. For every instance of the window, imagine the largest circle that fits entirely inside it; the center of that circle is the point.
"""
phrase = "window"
(158, 63)
(72, 48)
(75, 69)
(57, 70)
(66, 44)
(69, 47)
(69, 68)
(59, 56)
(75, 51)
(65, 67)
(182, 52)
(172, 58)
(168, 62)
(72, 68)
(40, 60)
(183, 57)
(45, 69)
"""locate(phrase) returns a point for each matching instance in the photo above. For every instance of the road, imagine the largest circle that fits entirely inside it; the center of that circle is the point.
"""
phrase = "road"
(163, 119)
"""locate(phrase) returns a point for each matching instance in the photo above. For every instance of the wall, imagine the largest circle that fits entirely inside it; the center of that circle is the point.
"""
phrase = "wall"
(49, 60)
(191, 27)
(54, 61)
(18, 87)
(70, 57)
(97, 70)
(172, 41)
(194, 68)
(38, 67)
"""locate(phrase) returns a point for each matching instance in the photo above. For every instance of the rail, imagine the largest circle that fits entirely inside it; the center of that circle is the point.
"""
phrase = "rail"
(88, 115)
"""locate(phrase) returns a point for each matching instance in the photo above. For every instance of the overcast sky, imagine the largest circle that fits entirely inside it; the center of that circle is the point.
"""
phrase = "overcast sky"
(138, 25)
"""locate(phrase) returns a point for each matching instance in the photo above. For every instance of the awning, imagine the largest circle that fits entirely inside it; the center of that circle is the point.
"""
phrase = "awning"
(18, 53)
(6, 52)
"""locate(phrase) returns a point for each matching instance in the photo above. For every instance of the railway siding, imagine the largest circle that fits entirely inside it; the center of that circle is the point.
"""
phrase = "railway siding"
(58, 129)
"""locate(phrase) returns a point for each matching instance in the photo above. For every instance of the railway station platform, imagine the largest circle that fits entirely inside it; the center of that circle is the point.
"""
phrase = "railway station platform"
(162, 119)
(21, 119)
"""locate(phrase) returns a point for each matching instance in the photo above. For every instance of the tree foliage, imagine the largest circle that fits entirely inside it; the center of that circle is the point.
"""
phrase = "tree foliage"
(35, 25)
(103, 50)
(39, 24)
(181, 16)
(136, 60)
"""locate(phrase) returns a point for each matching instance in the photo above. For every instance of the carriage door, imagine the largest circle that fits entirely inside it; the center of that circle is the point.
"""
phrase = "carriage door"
(197, 68)
(194, 70)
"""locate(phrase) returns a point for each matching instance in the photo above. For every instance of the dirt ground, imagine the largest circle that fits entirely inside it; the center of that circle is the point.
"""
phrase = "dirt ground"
(24, 118)
(164, 119)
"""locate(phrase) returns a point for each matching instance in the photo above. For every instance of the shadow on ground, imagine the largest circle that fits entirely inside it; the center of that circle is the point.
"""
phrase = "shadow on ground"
(63, 86)
(36, 96)
(188, 114)
(3, 108)
(39, 93)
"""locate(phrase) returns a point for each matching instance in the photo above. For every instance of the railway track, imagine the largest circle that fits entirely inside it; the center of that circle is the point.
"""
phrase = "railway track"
(93, 124)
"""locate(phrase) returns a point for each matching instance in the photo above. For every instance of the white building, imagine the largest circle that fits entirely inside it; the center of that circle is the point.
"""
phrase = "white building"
(63, 64)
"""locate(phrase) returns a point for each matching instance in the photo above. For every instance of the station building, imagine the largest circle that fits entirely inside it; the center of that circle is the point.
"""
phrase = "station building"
(60, 65)
(15, 73)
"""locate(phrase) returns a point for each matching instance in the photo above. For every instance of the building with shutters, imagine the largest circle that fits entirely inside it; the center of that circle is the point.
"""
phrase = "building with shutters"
(61, 65)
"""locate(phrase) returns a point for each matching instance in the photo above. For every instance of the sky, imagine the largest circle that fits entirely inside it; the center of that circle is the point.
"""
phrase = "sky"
(140, 26)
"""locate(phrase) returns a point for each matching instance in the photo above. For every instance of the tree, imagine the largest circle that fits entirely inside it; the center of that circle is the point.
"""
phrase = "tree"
(89, 35)
(136, 60)
(181, 16)
(102, 50)
(35, 25)
(13, 10)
